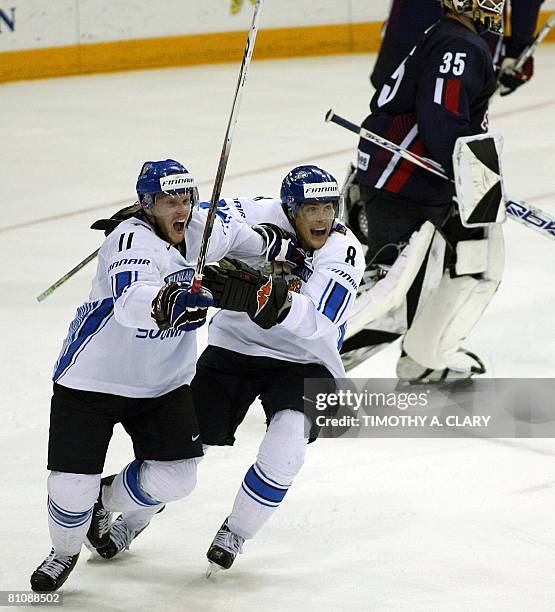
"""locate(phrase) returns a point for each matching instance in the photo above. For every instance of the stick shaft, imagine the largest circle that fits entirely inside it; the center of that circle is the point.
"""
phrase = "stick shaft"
(428, 165)
(67, 276)
(531, 48)
(529, 216)
(222, 164)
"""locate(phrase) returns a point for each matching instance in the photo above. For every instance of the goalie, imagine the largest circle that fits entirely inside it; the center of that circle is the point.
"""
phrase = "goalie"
(408, 20)
(438, 94)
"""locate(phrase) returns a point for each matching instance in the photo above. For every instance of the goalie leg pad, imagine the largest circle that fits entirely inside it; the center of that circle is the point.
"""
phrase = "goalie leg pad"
(486, 256)
(419, 264)
(472, 257)
(434, 340)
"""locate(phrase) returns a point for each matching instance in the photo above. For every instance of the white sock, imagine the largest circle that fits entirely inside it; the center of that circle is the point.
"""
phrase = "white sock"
(141, 489)
(280, 457)
(71, 498)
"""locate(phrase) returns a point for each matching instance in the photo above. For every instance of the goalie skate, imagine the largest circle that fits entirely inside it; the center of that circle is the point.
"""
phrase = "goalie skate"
(416, 374)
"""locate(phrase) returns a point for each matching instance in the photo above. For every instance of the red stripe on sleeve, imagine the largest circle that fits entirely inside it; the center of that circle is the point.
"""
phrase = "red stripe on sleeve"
(453, 96)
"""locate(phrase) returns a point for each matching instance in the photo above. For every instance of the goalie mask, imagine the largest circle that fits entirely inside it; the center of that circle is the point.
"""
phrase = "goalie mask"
(486, 14)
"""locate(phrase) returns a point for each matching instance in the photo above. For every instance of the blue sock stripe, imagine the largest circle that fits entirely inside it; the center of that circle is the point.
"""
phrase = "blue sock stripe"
(256, 499)
(64, 519)
(67, 525)
(256, 485)
(131, 483)
(60, 519)
(262, 475)
(67, 512)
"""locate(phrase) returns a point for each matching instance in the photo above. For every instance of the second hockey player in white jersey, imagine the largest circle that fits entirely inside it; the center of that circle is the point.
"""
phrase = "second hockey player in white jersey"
(287, 328)
(129, 357)
(293, 330)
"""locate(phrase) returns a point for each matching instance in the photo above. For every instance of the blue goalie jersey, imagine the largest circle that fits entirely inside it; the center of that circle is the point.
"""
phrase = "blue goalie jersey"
(438, 93)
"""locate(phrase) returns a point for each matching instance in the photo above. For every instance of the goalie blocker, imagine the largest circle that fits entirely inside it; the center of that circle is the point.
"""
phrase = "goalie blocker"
(478, 180)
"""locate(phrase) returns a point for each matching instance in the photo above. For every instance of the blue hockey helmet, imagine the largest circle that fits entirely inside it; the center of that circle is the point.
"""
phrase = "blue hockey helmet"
(308, 184)
(165, 176)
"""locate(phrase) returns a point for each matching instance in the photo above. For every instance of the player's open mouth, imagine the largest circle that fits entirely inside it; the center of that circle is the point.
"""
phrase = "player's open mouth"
(179, 226)
(318, 232)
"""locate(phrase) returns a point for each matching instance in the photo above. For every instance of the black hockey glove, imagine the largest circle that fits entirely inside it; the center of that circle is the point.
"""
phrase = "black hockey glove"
(509, 78)
(282, 247)
(240, 288)
(176, 307)
(109, 225)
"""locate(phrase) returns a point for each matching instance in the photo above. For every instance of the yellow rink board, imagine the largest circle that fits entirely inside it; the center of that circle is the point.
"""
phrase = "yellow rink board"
(193, 49)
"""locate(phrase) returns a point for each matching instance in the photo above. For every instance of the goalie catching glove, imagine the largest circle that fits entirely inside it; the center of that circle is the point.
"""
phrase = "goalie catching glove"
(176, 307)
(240, 288)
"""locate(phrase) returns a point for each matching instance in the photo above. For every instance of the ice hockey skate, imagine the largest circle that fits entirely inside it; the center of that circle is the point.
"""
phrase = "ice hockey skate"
(120, 537)
(414, 373)
(52, 572)
(223, 550)
(98, 534)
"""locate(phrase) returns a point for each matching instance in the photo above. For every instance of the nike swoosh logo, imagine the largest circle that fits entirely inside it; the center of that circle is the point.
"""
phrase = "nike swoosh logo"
(195, 438)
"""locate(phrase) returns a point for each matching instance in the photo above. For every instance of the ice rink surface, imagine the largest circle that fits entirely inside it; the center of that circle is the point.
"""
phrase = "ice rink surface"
(412, 525)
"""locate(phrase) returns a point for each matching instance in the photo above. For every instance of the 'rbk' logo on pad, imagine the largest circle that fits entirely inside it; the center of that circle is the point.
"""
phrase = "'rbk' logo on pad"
(320, 190)
(176, 181)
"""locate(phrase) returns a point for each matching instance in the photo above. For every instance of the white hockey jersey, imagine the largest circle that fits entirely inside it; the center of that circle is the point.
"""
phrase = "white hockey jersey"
(323, 291)
(113, 345)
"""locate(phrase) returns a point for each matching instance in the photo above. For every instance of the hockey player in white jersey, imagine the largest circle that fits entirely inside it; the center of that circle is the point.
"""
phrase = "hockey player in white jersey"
(293, 329)
(270, 354)
(129, 357)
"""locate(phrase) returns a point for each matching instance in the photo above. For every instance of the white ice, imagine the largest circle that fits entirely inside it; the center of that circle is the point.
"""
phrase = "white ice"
(384, 524)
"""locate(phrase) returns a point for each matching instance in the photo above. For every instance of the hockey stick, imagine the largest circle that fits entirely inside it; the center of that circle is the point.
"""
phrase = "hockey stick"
(219, 175)
(519, 211)
(531, 217)
(67, 276)
(222, 164)
(427, 164)
(103, 224)
(531, 48)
